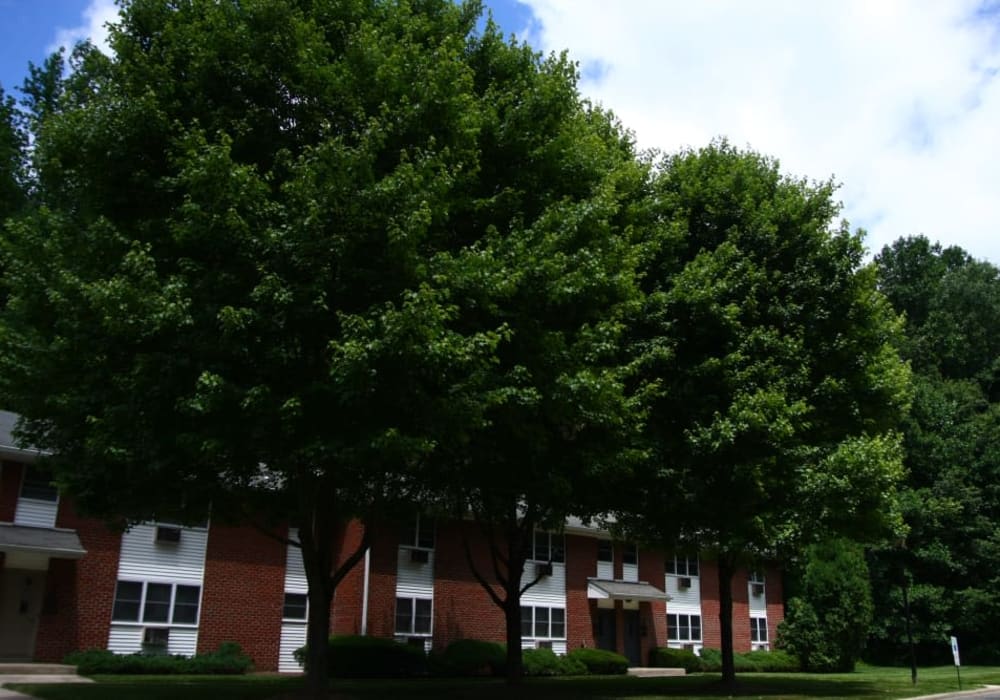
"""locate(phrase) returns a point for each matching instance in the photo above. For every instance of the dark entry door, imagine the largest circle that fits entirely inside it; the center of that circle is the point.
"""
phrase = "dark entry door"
(607, 634)
(630, 618)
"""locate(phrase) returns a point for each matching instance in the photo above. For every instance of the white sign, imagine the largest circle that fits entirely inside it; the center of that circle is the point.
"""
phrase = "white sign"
(954, 650)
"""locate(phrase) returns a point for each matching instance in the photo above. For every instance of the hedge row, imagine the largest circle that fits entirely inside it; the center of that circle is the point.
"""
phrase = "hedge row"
(228, 659)
(711, 660)
(369, 657)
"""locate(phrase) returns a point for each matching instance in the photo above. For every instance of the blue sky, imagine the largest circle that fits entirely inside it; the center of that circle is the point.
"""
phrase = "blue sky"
(896, 100)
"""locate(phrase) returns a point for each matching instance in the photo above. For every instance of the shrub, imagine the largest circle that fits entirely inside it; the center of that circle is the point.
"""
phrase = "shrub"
(599, 661)
(471, 657)
(544, 662)
(664, 657)
(750, 662)
(228, 659)
(370, 657)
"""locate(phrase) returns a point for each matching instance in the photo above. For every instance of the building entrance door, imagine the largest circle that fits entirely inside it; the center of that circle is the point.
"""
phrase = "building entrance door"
(607, 633)
(21, 594)
(633, 653)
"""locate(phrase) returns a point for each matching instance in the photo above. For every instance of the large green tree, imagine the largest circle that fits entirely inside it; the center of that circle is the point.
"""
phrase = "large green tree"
(767, 359)
(289, 255)
(949, 561)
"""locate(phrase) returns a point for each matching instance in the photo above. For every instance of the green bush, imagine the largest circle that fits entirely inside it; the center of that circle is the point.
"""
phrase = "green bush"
(664, 657)
(599, 661)
(544, 662)
(370, 657)
(750, 662)
(470, 657)
(228, 659)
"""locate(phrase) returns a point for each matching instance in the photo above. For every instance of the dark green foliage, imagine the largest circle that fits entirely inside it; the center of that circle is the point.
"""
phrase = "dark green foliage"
(950, 560)
(470, 657)
(599, 661)
(544, 662)
(228, 659)
(750, 662)
(826, 625)
(665, 657)
(370, 657)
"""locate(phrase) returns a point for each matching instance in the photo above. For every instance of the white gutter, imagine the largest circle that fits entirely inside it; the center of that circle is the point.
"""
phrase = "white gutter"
(364, 594)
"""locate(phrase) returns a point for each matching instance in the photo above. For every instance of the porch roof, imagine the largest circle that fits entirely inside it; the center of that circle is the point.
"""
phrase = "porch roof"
(50, 541)
(624, 590)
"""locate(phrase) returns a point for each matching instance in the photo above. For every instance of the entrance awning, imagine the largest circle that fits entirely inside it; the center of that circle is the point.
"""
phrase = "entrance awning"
(638, 591)
(47, 541)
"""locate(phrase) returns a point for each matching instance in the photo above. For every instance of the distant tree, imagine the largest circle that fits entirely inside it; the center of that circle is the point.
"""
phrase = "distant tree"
(768, 361)
(295, 258)
(950, 502)
(827, 623)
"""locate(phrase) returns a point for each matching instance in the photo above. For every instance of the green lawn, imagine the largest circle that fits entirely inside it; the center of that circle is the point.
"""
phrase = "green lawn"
(867, 682)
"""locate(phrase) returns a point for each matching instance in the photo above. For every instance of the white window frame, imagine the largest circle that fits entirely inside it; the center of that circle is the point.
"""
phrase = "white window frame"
(758, 624)
(411, 632)
(548, 623)
(284, 605)
(611, 550)
(681, 629)
(627, 549)
(756, 577)
(555, 543)
(421, 526)
(144, 599)
(31, 473)
(683, 566)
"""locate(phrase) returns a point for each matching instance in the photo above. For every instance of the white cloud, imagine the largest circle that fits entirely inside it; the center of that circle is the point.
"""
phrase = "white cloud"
(95, 18)
(899, 100)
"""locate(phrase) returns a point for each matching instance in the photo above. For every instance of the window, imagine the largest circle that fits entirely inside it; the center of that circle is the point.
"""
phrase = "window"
(683, 628)
(37, 486)
(758, 629)
(548, 547)
(296, 606)
(542, 622)
(756, 577)
(138, 601)
(420, 534)
(630, 554)
(682, 566)
(605, 550)
(413, 616)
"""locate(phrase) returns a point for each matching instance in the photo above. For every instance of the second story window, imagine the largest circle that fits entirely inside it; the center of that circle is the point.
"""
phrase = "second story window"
(630, 554)
(419, 534)
(605, 551)
(682, 566)
(37, 486)
(548, 547)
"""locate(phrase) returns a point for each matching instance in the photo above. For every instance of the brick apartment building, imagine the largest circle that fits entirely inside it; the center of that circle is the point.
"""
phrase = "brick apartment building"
(69, 583)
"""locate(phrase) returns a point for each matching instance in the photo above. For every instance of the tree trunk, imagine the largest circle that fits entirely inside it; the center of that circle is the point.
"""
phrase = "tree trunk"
(512, 613)
(315, 538)
(726, 572)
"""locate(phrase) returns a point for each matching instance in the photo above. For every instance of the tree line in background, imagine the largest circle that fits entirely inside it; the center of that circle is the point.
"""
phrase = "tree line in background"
(310, 261)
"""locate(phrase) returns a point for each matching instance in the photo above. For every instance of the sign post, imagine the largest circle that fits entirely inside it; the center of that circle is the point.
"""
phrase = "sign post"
(958, 664)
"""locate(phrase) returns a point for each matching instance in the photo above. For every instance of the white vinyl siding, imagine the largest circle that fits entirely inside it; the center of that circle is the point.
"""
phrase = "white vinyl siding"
(415, 583)
(293, 632)
(36, 513)
(145, 559)
(550, 590)
(414, 579)
(149, 562)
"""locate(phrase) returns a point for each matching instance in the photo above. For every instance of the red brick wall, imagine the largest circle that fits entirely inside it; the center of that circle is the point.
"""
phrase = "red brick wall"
(10, 488)
(382, 583)
(710, 633)
(653, 615)
(774, 591)
(79, 594)
(741, 611)
(462, 609)
(347, 599)
(581, 563)
(243, 593)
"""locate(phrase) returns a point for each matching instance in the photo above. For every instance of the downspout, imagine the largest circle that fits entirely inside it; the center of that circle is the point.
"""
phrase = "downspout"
(364, 594)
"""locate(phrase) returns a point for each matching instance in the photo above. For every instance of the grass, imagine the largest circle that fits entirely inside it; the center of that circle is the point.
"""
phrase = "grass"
(866, 682)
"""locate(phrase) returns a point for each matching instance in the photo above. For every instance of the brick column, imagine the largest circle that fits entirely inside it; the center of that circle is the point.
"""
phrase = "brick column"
(581, 563)
(348, 599)
(741, 611)
(10, 489)
(775, 601)
(652, 615)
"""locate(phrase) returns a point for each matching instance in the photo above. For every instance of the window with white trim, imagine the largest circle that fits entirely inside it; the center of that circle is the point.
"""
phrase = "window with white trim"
(548, 547)
(541, 622)
(296, 606)
(419, 534)
(683, 628)
(758, 630)
(630, 553)
(756, 577)
(37, 486)
(148, 601)
(682, 566)
(413, 616)
(605, 551)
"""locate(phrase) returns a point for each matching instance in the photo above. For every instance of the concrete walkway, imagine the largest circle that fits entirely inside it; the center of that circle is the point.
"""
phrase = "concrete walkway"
(35, 673)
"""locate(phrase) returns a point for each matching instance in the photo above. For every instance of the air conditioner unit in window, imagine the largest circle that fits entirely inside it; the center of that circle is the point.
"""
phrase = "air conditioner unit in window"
(687, 647)
(168, 534)
(155, 638)
(757, 589)
(543, 569)
(419, 556)
(684, 582)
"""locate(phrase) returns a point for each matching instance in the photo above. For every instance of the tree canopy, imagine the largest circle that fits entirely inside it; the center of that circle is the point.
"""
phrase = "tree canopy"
(772, 381)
